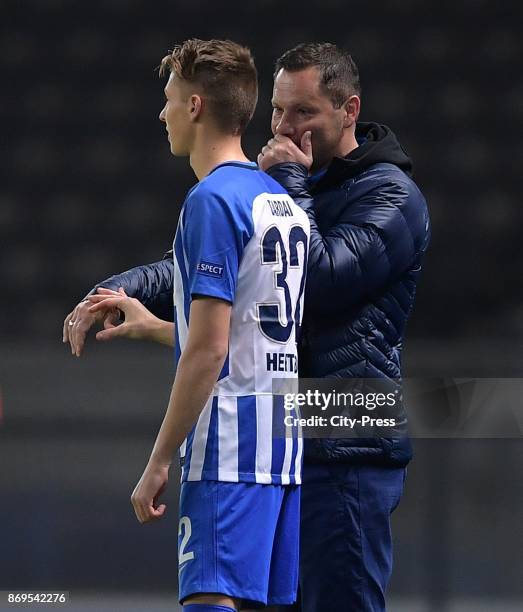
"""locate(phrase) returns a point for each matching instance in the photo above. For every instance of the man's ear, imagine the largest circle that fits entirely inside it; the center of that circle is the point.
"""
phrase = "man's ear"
(352, 111)
(195, 106)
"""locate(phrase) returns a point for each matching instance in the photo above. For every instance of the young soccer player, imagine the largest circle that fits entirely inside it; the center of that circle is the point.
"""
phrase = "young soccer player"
(240, 256)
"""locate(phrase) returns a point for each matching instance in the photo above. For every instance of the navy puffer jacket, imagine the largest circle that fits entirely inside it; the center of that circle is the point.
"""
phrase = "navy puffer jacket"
(369, 231)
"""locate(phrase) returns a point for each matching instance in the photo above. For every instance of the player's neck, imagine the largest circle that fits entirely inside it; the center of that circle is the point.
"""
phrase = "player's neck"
(209, 152)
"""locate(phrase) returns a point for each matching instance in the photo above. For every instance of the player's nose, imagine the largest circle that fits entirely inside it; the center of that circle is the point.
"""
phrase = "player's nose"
(162, 115)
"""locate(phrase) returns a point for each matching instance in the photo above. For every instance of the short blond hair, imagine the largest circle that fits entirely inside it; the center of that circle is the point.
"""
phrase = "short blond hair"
(227, 75)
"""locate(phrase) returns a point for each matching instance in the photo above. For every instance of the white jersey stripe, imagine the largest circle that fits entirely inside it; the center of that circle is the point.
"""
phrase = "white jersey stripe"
(185, 261)
(299, 454)
(263, 439)
(181, 322)
(183, 453)
(199, 443)
(228, 439)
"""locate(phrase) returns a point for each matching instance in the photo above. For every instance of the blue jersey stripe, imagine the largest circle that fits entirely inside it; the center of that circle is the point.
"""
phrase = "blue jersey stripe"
(278, 441)
(210, 465)
(247, 434)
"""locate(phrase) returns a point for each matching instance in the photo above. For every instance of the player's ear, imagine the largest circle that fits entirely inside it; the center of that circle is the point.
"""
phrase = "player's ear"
(195, 106)
(352, 110)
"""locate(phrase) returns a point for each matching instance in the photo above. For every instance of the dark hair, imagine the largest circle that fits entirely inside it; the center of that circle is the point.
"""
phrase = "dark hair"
(227, 75)
(339, 75)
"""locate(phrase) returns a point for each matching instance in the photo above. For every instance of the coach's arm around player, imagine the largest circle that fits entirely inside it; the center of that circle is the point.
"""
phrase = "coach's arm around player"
(139, 323)
(106, 307)
(150, 284)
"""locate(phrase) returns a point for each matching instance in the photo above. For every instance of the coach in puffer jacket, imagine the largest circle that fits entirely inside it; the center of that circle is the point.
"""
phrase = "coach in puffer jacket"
(369, 231)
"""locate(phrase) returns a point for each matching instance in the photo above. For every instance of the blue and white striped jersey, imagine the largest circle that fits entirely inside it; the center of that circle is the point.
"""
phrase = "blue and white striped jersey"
(241, 238)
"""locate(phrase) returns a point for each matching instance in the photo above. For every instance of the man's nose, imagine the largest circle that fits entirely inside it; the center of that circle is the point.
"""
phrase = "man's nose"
(284, 128)
(162, 115)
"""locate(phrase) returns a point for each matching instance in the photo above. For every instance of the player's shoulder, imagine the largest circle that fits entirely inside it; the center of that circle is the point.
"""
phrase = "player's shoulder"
(224, 183)
(231, 177)
(236, 189)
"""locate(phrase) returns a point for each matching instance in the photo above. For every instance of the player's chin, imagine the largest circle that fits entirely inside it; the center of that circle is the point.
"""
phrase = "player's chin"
(178, 151)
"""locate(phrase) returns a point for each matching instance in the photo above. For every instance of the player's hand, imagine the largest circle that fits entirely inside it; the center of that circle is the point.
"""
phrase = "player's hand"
(78, 323)
(140, 323)
(282, 149)
(146, 493)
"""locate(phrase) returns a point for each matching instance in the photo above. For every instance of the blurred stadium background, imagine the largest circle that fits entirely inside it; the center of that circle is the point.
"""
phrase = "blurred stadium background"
(88, 188)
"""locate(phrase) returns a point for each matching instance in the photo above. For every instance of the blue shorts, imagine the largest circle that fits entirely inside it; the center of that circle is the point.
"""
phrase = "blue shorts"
(239, 539)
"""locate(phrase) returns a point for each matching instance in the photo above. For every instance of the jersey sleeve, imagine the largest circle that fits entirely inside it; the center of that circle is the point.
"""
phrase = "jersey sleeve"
(213, 241)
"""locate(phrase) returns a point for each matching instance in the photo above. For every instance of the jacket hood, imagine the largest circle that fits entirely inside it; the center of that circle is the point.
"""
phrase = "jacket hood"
(377, 144)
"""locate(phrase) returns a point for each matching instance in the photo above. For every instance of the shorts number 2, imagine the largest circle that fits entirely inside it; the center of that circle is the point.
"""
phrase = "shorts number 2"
(185, 528)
